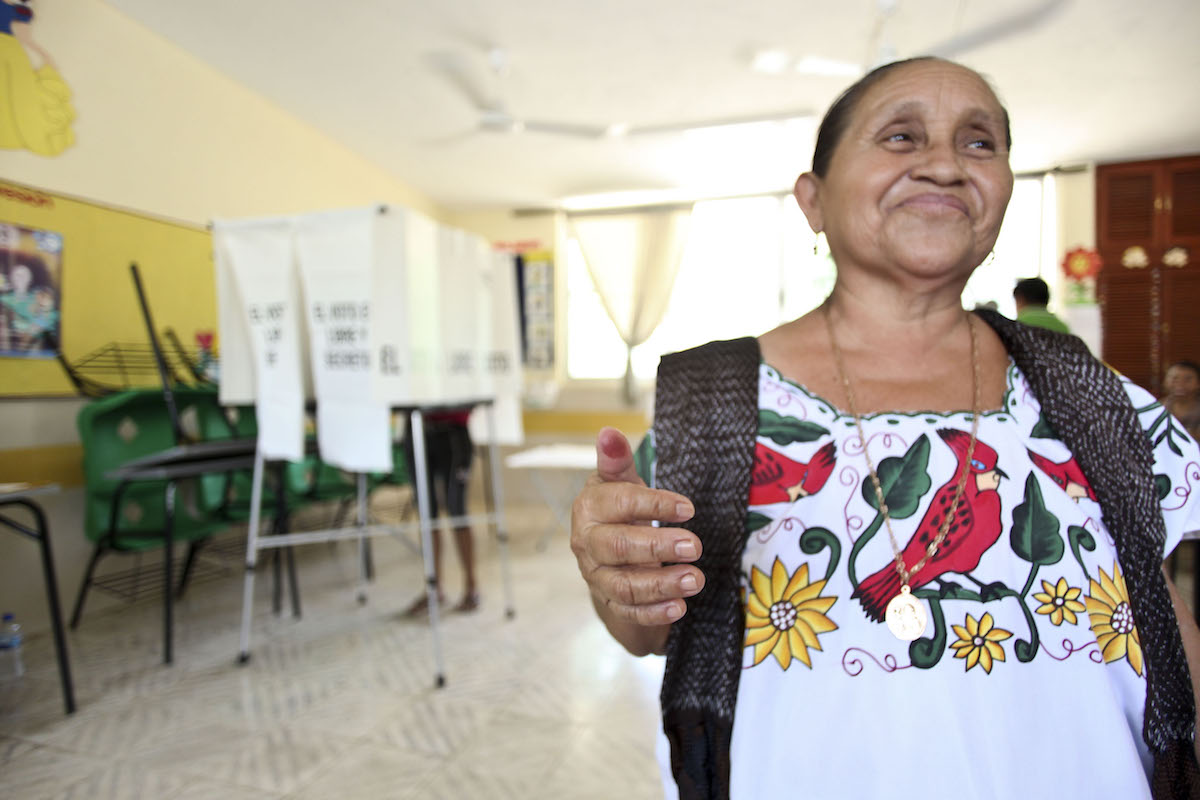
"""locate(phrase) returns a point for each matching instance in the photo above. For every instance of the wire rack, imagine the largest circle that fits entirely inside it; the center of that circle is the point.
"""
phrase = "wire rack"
(118, 366)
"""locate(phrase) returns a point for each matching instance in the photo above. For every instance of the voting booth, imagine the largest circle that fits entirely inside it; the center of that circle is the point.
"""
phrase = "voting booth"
(361, 310)
(361, 313)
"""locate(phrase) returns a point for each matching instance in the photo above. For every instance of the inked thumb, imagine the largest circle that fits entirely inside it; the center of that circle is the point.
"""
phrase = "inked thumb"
(614, 457)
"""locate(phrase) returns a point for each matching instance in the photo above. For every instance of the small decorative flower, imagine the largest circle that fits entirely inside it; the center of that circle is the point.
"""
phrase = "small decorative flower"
(1135, 258)
(1112, 620)
(1059, 601)
(1081, 263)
(979, 642)
(1176, 257)
(785, 615)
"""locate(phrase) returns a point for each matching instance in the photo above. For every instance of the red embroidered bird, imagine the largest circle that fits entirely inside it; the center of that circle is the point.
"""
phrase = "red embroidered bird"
(975, 528)
(1067, 475)
(778, 479)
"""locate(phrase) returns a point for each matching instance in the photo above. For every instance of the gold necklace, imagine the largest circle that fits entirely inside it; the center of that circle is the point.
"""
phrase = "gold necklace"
(905, 615)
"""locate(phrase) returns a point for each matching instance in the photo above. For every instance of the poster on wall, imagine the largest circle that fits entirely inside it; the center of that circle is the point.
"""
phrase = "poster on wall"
(537, 283)
(30, 291)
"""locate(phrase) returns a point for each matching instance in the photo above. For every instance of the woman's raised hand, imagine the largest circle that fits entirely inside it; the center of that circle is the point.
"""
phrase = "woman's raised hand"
(638, 574)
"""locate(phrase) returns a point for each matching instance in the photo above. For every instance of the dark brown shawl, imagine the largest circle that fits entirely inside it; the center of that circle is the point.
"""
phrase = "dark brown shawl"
(705, 423)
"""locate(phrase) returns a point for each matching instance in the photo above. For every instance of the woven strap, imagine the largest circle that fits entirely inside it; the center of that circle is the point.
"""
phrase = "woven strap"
(1089, 409)
(706, 417)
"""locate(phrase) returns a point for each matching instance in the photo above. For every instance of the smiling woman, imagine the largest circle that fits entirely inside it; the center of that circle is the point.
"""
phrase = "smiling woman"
(839, 495)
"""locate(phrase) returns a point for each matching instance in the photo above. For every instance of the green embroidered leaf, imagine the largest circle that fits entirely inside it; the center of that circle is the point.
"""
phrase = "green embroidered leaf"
(644, 458)
(786, 430)
(1171, 432)
(1162, 486)
(814, 540)
(755, 520)
(1043, 429)
(926, 652)
(1034, 534)
(1079, 537)
(903, 479)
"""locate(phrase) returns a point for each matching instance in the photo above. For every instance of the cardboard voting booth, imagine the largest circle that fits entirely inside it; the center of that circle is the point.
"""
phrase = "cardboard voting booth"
(365, 310)
(501, 351)
(262, 330)
(336, 257)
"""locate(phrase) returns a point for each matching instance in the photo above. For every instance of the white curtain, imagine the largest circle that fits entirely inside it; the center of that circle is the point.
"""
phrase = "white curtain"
(633, 258)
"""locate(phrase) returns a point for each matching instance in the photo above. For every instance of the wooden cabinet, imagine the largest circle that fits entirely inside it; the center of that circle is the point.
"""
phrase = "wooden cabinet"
(1148, 234)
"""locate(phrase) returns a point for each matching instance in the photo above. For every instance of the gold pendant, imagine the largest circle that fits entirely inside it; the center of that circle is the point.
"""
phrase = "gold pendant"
(906, 616)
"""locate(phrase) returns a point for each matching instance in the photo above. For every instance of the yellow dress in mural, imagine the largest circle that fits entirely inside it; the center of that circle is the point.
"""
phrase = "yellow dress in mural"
(35, 111)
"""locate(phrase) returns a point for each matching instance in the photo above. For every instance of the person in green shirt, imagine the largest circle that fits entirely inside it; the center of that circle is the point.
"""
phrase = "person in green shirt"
(1032, 296)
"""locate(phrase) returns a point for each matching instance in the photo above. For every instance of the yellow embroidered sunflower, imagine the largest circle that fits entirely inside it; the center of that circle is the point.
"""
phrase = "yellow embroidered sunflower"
(784, 615)
(1112, 620)
(1060, 601)
(979, 642)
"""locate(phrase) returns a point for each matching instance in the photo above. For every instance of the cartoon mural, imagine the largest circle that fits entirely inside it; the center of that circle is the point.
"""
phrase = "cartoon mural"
(35, 110)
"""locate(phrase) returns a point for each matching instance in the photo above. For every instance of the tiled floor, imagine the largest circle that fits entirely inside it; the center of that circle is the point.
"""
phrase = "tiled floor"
(341, 703)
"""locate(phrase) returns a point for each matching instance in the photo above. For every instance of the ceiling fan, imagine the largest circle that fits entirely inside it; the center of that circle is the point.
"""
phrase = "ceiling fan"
(884, 51)
(494, 116)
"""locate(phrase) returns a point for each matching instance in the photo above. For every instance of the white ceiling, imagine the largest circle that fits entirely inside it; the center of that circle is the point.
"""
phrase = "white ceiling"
(1095, 80)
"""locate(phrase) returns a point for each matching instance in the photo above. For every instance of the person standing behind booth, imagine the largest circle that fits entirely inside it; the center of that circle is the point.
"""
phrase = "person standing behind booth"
(1032, 296)
(448, 453)
(1182, 396)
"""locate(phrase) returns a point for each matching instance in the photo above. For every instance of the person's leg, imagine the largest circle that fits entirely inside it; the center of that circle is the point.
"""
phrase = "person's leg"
(420, 605)
(456, 504)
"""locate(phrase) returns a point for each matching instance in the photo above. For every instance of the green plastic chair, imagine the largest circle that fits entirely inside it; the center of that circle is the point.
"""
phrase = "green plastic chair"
(131, 518)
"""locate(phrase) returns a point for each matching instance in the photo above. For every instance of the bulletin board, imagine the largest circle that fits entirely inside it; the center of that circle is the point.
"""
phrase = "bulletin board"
(97, 301)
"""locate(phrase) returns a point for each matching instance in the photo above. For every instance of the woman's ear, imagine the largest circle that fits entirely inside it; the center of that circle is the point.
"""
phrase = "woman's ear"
(807, 192)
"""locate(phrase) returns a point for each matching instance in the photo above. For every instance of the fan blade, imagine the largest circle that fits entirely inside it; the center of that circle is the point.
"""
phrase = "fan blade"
(578, 131)
(750, 119)
(457, 73)
(996, 31)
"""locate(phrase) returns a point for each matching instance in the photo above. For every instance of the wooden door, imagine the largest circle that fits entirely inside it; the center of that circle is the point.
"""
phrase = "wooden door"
(1181, 178)
(1125, 205)
(1129, 309)
(1181, 315)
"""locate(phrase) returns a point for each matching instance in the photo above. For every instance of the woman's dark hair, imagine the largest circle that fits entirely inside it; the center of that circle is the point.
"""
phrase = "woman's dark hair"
(837, 118)
(1192, 365)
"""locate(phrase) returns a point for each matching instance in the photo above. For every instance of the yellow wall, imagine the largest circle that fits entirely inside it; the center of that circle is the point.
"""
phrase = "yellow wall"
(161, 132)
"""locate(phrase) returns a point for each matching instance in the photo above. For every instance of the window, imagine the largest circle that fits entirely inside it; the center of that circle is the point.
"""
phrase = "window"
(749, 266)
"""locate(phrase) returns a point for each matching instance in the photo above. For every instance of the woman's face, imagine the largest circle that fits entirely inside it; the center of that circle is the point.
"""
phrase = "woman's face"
(1182, 382)
(919, 182)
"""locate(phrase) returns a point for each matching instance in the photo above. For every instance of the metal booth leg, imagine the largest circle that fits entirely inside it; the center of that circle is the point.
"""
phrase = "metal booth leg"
(251, 558)
(497, 497)
(418, 436)
(364, 556)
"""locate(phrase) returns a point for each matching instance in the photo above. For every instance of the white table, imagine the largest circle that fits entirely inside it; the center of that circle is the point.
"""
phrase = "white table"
(558, 472)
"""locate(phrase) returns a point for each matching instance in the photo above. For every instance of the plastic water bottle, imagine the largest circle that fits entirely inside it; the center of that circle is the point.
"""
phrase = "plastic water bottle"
(11, 666)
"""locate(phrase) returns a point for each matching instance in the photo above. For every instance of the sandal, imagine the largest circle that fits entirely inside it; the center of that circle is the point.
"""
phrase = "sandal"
(469, 603)
(420, 606)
